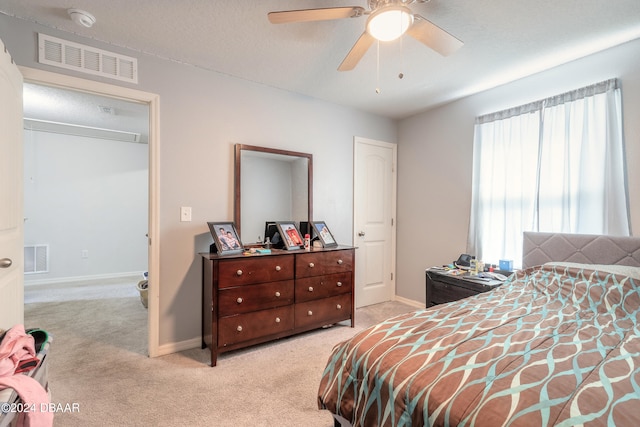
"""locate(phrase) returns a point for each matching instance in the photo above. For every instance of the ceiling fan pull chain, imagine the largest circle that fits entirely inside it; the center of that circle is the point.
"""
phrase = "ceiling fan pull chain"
(378, 66)
(401, 75)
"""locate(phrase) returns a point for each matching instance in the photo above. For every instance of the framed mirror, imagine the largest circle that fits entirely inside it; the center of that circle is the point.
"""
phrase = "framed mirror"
(270, 185)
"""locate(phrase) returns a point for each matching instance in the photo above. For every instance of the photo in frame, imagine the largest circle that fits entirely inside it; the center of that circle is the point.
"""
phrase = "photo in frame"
(225, 237)
(324, 234)
(290, 235)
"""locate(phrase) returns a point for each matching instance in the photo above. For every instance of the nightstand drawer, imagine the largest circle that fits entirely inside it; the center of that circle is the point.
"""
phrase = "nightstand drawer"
(444, 292)
(445, 287)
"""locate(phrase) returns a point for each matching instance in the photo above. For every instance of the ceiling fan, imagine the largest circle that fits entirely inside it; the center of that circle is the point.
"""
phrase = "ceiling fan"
(387, 20)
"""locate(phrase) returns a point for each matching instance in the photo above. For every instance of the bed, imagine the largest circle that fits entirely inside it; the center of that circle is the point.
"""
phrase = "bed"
(557, 344)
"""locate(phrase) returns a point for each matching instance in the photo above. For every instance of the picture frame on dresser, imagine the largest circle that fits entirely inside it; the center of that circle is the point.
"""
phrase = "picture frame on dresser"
(290, 235)
(225, 237)
(324, 234)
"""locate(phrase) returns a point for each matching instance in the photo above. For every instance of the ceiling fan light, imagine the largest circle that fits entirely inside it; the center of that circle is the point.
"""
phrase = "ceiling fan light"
(389, 23)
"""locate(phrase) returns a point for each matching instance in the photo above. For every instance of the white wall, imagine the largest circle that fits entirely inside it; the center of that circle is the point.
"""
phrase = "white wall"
(300, 188)
(202, 114)
(435, 158)
(261, 205)
(86, 194)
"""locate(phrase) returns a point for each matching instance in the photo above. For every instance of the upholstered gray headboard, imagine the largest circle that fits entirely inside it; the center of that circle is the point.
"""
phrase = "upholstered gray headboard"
(539, 248)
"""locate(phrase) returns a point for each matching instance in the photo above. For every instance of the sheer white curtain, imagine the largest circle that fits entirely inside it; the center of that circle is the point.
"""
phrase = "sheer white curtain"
(555, 165)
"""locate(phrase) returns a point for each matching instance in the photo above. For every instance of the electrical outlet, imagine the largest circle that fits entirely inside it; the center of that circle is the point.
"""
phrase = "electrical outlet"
(185, 214)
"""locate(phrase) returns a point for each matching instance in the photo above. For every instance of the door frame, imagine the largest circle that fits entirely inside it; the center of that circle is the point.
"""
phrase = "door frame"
(47, 78)
(359, 141)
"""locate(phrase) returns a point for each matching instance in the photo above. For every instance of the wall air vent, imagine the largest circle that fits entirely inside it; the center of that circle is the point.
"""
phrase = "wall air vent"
(36, 259)
(86, 59)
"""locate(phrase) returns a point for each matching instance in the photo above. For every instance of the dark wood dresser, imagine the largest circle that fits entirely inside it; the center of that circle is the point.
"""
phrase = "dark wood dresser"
(251, 299)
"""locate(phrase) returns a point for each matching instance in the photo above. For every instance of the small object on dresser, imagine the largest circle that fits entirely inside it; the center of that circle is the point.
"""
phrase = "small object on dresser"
(506, 264)
(473, 266)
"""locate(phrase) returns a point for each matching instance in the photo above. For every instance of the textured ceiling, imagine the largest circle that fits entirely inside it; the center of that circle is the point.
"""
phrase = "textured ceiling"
(503, 40)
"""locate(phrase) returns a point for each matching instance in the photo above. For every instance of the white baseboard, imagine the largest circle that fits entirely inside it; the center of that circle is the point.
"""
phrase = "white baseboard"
(51, 281)
(414, 303)
(176, 347)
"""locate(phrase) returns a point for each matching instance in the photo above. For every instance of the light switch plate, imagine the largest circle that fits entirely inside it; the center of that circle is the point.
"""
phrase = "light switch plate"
(185, 214)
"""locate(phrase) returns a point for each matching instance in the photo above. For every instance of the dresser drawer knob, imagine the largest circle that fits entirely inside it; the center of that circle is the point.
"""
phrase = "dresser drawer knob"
(339, 307)
(311, 265)
(239, 328)
(310, 288)
(278, 268)
(239, 272)
(339, 262)
(309, 313)
(239, 300)
(339, 284)
(277, 294)
(277, 320)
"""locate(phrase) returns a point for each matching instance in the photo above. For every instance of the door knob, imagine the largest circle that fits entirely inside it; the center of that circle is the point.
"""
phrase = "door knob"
(5, 263)
(361, 234)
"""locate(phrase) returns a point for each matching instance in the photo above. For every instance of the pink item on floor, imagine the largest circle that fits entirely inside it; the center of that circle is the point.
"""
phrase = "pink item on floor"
(17, 346)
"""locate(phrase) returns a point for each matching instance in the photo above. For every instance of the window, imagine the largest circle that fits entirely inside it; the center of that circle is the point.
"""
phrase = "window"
(555, 165)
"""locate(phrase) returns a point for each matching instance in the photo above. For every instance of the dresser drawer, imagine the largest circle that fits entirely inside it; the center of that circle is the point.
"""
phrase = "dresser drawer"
(245, 327)
(322, 263)
(256, 269)
(311, 288)
(244, 299)
(323, 311)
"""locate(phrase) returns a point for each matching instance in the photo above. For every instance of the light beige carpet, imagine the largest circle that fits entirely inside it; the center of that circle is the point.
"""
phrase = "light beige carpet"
(98, 361)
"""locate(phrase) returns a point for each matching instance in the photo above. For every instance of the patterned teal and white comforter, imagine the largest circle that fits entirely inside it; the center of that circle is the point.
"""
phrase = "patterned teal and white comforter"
(552, 346)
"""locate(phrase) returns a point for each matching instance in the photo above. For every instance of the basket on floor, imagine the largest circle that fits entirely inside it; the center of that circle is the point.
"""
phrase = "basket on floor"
(143, 288)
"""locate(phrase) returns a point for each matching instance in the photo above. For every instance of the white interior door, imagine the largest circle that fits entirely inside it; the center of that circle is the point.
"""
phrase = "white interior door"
(11, 221)
(374, 216)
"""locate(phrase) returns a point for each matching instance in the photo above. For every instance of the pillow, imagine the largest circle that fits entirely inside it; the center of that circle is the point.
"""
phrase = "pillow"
(624, 270)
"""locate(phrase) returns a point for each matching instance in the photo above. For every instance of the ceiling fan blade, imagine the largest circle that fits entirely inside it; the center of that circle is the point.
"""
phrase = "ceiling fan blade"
(307, 15)
(357, 52)
(433, 36)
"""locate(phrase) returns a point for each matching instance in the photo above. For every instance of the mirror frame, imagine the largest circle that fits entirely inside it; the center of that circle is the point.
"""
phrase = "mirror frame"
(239, 148)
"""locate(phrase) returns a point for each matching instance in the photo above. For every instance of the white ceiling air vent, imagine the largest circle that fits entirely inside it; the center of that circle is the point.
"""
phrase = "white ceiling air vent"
(86, 59)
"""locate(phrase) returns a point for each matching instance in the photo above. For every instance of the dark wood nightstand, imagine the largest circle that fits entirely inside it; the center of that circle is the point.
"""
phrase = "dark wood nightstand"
(443, 287)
